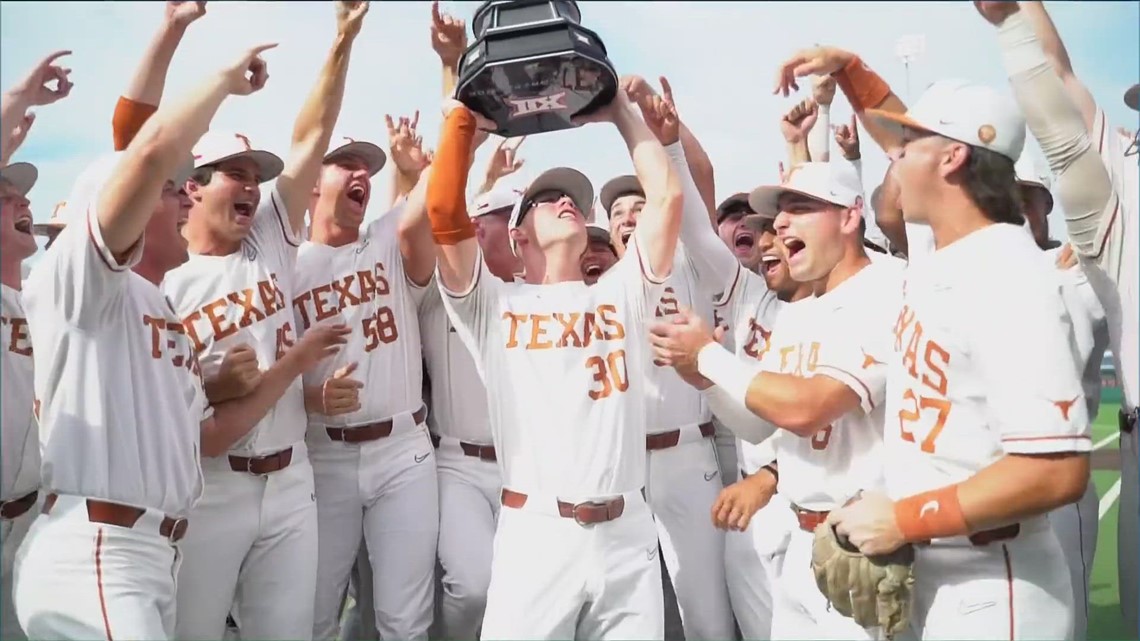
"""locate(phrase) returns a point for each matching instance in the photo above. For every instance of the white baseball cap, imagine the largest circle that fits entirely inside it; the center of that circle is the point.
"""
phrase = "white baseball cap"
(618, 187)
(1132, 97)
(831, 182)
(497, 199)
(21, 175)
(217, 147)
(90, 184)
(372, 155)
(973, 114)
(571, 182)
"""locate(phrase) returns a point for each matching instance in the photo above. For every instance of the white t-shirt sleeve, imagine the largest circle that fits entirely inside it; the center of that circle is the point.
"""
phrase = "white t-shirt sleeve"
(1033, 387)
(272, 234)
(81, 275)
(473, 312)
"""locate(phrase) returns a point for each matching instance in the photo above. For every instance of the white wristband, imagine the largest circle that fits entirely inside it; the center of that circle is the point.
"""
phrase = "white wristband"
(726, 371)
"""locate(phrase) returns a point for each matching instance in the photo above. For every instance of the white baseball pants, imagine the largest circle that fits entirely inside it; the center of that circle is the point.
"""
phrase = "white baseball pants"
(469, 504)
(251, 547)
(727, 455)
(386, 491)
(12, 533)
(752, 562)
(800, 610)
(1014, 589)
(554, 579)
(683, 483)
(75, 579)
(1076, 527)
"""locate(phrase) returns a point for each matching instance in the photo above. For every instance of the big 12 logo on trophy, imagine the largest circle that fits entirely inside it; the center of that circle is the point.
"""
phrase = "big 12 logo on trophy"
(538, 104)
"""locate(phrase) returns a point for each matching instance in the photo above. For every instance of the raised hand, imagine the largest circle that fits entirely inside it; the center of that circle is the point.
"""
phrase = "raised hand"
(448, 36)
(847, 137)
(21, 132)
(806, 62)
(799, 120)
(339, 394)
(504, 161)
(238, 83)
(636, 88)
(182, 12)
(350, 16)
(823, 90)
(406, 145)
(995, 13)
(35, 90)
(660, 114)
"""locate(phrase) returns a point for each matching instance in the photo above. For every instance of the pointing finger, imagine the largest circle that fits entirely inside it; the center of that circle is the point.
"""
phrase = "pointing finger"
(666, 89)
(435, 17)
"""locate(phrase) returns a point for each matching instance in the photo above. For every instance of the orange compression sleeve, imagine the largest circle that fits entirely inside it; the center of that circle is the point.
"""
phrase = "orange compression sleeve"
(447, 186)
(864, 88)
(129, 118)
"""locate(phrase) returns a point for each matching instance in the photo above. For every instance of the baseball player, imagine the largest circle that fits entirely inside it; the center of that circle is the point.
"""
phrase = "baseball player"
(470, 484)
(822, 377)
(600, 254)
(101, 560)
(373, 462)
(575, 553)
(1096, 184)
(681, 462)
(254, 545)
(20, 445)
(992, 429)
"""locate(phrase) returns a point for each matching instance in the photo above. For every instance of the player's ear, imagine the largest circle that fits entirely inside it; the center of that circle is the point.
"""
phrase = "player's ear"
(852, 218)
(518, 235)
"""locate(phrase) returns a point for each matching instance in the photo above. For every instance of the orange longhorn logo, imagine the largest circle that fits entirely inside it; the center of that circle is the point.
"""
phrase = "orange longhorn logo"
(1065, 406)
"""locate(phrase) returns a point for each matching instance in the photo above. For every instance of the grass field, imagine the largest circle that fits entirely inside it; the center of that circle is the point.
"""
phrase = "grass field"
(1105, 622)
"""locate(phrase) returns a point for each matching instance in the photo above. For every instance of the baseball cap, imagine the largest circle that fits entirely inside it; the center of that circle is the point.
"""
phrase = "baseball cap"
(1132, 97)
(21, 175)
(595, 231)
(618, 187)
(497, 199)
(736, 203)
(372, 155)
(569, 181)
(217, 147)
(1027, 177)
(88, 186)
(973, 114)
(831, 182)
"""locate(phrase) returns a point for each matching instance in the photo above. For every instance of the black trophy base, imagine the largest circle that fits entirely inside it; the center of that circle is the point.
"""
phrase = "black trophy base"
(533, 79)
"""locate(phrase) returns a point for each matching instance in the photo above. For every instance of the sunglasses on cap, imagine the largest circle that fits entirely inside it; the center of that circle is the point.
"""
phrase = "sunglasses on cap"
(547, 197)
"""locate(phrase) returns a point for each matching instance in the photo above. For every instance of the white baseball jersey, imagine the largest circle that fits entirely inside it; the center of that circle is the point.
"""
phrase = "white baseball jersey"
(20, 447)
(458, 395)
(1090, 326)
(363, 285)
(982, 364)
(244, 297)
(1118, 254)
(919, 242)
(671, 402)
(843, 335)
(563, 368)
(116, 374)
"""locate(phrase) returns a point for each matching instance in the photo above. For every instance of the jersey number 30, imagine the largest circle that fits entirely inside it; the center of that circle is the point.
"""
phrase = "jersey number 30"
(609, 373)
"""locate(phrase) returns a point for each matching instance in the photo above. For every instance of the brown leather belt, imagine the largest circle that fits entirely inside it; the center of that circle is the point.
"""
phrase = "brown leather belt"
(370, 432)
(16, 508)
(665, 440)
(586, 513)
(481, 452)
(124, 516)
(985, 537)
(261, 465)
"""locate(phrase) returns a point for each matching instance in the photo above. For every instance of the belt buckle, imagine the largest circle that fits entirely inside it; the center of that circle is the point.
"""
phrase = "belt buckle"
(577, 511)
(174, 536)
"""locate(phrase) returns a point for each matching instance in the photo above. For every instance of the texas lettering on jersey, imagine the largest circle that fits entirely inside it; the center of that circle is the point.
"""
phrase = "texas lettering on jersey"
(249, 306)
(759, 340)
(575, 330)
(352, 290)
(924, 402)
(168, 339)
(18, 340)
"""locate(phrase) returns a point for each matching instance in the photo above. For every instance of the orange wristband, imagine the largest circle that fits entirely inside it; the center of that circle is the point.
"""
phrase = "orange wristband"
(864, 88)
(447, 186)
(931, 515)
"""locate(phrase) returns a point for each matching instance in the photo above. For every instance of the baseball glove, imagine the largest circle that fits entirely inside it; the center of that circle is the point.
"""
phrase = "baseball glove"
(875, 591)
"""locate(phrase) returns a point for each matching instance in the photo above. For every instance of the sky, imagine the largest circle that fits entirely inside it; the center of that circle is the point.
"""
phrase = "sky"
(720, 58)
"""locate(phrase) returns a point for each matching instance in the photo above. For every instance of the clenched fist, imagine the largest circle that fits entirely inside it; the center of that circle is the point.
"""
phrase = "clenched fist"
(339, 394)
(238, 375)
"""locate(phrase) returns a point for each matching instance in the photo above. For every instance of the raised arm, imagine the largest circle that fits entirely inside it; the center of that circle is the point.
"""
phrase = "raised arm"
(1058, 57)
(314, 125)
(32, 91)
(822, 93)
(164, 145)
(451, 227)
(405, 148)
(795, 127)
(449, 40)
(144, 93)
(659, 223)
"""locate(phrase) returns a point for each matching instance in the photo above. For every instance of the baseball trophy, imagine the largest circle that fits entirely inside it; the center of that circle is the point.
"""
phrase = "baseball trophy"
(533, 66)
